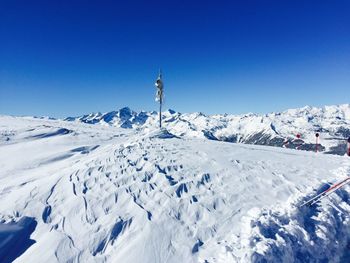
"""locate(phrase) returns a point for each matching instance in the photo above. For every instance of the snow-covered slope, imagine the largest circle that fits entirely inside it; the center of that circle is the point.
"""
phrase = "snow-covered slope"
(274, 129)
(106, 194)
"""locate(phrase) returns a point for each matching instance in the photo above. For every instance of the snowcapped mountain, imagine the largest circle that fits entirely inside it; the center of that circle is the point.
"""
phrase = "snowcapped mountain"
(274, 129)
(124, 118)
(73, 192)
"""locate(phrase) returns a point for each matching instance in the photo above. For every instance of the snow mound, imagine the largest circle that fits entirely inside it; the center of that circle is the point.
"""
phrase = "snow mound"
(162, 134)
(320, 233)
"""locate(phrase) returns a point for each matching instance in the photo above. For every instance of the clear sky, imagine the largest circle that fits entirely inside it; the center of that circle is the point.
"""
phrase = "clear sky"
(64, 58)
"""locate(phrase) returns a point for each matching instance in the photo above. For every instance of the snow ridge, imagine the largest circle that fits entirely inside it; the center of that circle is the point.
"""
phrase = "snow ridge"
(308, 234)
(319, 233)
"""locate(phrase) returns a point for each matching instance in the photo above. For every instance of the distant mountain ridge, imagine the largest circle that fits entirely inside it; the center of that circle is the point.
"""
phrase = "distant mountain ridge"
(274, 129)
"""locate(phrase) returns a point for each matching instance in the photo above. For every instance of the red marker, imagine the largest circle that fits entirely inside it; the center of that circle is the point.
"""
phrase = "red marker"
(299, 144)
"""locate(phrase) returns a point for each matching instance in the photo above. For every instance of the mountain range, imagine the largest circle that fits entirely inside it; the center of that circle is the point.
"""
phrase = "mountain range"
(293, 128)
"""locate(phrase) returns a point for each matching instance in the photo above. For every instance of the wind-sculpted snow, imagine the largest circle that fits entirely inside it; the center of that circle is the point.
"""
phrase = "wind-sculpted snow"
(320, 233)
(15, 238)
(274, 129)
(107, 194)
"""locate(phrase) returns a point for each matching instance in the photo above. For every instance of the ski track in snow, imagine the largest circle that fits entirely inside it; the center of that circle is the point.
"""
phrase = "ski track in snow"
(104, 194)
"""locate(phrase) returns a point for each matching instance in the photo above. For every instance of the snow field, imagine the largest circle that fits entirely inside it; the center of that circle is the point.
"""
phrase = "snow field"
(105, 194)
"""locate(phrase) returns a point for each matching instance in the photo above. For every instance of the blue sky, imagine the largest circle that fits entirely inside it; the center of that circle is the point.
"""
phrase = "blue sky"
(64, 58)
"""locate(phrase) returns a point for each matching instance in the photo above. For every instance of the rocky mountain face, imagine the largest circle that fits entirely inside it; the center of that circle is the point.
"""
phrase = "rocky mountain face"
(293, 128)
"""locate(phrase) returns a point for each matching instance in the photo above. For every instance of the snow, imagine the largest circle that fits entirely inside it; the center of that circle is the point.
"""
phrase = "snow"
(103, 193)
(14, 238)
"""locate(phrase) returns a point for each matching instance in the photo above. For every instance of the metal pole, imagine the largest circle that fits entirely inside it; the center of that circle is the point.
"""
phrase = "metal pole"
(160, 113)
(159, 96)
